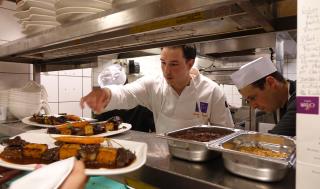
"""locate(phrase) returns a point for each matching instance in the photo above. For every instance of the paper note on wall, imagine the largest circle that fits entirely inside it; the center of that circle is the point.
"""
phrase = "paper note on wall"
(308, 92)
(309, 48)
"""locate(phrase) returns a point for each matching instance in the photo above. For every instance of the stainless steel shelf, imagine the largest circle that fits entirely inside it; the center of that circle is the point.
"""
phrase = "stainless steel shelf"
(149, 24)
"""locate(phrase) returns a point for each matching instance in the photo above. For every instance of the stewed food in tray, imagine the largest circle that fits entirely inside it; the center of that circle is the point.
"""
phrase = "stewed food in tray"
(259, 156)
(191, 143)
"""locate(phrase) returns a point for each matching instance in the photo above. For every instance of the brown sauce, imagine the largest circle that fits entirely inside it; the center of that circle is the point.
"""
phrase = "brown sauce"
(90, 165)
(203, 134)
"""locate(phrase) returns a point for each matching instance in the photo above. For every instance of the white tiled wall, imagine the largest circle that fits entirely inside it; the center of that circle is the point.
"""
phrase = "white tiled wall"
(70, 88)
(232, 95)
(149, 65)
(10, 28)
(290, 69)
(65, 89)
(11, 74)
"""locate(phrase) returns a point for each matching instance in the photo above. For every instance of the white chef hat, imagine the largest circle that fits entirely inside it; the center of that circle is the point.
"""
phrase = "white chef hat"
(253, 71)
(112, 75)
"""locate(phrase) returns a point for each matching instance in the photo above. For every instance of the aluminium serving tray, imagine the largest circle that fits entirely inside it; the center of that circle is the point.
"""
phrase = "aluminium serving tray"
(188, 148)
(259, 156)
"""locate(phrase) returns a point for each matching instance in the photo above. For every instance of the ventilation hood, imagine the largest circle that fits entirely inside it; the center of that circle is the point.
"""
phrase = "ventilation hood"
(215, 25)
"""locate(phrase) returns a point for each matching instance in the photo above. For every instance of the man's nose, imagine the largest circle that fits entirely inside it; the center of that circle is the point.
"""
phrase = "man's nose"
(166, 69)
(254, 105)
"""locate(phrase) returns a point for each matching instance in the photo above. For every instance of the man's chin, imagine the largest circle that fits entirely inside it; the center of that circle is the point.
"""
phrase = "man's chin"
(266, 110)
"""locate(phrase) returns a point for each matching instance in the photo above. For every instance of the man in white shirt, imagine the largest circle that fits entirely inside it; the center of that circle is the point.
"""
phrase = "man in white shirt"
(177, 99)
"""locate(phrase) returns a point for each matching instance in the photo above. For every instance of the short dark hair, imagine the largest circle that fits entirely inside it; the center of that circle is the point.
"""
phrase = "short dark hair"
(261, 82)
(189, 50)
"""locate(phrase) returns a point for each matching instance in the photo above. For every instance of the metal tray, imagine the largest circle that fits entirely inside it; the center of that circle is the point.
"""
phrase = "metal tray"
(193, 150)
(254, 166)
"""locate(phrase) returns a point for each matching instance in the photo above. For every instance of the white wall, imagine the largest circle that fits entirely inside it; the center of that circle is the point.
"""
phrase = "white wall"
(290, 69)
(149, 66)
(65, 89)
(11, 74)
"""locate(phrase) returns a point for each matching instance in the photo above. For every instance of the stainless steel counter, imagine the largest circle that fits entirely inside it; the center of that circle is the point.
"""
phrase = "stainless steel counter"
(164, 171)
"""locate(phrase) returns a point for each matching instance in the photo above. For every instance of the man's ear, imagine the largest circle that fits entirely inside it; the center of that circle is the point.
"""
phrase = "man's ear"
(271, 82)
(190, 63)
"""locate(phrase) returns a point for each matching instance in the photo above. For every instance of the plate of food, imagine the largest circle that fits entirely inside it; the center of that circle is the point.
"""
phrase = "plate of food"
(90, 129)
(52, 120)
(84, 128)
(101, 156)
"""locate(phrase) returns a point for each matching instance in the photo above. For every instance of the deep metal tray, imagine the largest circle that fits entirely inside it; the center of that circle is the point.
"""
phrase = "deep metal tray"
(255, 166)
(194, 150)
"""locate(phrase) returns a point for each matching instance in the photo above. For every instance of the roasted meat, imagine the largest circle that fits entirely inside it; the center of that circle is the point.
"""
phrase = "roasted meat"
(107, 156)
(83, 128)
(125, 157)
(12, 152)
(68, 150)
(51, 155)
(16, 141)
(54, 120)
(89, 152)
(34, 150)
(93, 154)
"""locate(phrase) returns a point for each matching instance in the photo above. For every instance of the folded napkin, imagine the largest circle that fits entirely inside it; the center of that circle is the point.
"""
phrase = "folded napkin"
(47, 177)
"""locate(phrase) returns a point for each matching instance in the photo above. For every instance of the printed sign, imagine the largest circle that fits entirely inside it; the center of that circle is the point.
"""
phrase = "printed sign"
(308, 105)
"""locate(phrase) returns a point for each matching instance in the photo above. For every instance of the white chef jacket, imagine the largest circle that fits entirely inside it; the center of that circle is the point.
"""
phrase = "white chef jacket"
(203, 98)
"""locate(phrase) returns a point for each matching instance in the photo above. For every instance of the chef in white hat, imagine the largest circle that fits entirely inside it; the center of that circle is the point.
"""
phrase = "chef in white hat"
(265, 88)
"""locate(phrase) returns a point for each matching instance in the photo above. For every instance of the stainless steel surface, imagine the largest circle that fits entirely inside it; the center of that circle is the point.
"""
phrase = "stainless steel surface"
(151, 23)
(286, 47)
(255, 166)
(163, 171)
(194, 150)
(264, 40)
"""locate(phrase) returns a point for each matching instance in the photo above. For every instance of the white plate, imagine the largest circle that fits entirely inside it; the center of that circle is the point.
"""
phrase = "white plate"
(33, 28)
(77, 9)
(83, 3)
(27, 121)
(138, 148)
(25, 5)
(46, 23)
(34, 10)
(38, 17)
(123, 127)
(72, 16)
(49, 1)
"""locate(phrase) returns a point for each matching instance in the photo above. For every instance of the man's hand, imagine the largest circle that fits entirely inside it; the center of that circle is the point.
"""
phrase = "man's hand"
(77, 178)
(97, 99)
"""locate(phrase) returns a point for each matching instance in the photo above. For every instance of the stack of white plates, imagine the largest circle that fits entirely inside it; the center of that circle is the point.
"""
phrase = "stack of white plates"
(71, 10)
(29, 100)
(36, 15)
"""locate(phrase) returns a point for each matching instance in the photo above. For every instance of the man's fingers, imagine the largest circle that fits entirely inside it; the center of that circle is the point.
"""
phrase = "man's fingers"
(96, 100)
(101, 100)
(82, 101)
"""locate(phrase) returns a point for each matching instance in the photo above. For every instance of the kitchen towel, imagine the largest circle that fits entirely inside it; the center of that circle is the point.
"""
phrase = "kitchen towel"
(49, 176)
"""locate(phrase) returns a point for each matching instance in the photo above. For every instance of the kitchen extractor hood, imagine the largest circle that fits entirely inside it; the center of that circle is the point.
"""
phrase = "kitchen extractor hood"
(152, 24)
